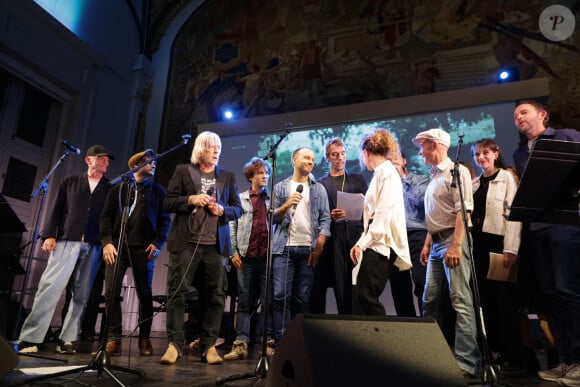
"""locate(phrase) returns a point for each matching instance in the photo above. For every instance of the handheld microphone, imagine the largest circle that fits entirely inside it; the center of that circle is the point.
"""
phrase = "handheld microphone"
(299, 189)
(71, 147)
(209, 192)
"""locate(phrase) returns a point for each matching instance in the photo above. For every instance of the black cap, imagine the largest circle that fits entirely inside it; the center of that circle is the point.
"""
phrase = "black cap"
(99, 150)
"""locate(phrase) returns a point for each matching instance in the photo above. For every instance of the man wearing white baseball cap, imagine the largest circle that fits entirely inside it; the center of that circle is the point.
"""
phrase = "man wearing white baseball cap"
(437, 135)
(445, 251)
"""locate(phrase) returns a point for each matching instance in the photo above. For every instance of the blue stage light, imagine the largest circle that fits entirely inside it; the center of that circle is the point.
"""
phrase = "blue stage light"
(228, 114)
(509, 74)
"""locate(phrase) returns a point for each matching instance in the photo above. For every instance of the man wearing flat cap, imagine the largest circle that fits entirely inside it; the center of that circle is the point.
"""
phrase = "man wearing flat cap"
(71, 236)
(145, 233)
(445, 251)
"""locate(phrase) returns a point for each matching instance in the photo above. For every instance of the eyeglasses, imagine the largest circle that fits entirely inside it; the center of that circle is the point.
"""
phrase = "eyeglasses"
(336, 155)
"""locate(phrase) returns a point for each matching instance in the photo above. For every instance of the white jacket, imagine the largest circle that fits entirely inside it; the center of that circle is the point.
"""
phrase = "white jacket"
(499, 198)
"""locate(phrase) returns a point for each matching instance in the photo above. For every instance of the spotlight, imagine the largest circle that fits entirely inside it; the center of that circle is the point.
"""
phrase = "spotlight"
(508, 74)
(228, 114)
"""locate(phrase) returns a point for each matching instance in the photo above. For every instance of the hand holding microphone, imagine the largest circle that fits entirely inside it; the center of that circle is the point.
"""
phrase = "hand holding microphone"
(299, 190)
(204, 200)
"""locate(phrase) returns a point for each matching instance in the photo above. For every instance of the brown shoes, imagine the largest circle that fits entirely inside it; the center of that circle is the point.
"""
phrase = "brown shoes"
(211, 357)
(145, 348)
(171, 355)
(113, 348)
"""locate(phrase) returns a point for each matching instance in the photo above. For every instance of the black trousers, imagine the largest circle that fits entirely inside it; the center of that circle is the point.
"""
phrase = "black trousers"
(136, 258)
(334, 269)
(372, 279)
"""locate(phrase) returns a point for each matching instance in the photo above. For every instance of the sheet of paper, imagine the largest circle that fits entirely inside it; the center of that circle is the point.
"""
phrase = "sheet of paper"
(498, 273)
(51, 370)
(352, 203)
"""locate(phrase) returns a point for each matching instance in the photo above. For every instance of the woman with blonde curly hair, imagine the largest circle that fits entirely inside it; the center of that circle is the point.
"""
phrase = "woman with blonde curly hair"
(383, 242)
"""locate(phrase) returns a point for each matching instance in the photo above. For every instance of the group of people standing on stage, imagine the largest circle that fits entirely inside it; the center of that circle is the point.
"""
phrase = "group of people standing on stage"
(413, 232)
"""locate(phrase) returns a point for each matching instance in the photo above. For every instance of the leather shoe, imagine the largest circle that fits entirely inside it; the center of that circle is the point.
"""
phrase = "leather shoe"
(145, 348)
(114, 347)
(211, 357)
(171, 355)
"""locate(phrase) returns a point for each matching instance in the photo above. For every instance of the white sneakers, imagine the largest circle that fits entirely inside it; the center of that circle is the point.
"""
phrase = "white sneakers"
(563, 374)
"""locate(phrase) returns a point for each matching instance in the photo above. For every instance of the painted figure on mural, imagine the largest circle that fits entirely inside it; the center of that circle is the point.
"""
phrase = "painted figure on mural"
(253, 88)
(311, 69)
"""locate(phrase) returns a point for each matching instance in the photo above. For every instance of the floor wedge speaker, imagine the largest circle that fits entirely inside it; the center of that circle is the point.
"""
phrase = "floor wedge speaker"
(323, 350)
(8, 358)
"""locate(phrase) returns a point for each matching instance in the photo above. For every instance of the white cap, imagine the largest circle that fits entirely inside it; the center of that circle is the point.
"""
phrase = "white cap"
(437, 135)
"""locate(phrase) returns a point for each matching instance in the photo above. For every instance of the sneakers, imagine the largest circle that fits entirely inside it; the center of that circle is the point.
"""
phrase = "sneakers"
(25, 347)
(66, 348)
(239, 351)
(553, 374)
(572, 377)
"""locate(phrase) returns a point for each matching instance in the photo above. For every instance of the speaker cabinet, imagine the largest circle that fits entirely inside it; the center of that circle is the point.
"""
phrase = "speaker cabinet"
(324, 350)
(8, 357)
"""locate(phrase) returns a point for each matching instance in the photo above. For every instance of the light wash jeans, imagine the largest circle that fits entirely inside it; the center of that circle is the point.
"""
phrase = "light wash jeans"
(69, 258)
(438, 275)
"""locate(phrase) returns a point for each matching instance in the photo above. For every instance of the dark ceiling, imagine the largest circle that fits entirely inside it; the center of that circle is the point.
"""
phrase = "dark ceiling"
(152, 18)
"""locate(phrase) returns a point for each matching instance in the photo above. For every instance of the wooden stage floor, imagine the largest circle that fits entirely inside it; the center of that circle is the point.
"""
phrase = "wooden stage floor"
(188, 371)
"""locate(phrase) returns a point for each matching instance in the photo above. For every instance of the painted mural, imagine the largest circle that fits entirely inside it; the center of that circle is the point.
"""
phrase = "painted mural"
(257, 57)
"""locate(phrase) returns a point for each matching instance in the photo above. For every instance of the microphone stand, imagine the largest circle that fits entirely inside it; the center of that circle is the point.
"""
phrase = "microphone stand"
(490, 371)
(101, 362)
(42, 188)
(184, 140)
(261, 370)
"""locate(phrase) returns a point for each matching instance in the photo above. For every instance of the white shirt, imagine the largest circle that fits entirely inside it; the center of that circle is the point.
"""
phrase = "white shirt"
(442, 202)
(384, 204)
(300, 231)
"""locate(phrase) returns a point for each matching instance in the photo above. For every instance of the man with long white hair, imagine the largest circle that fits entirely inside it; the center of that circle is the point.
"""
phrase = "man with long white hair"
(204, 198)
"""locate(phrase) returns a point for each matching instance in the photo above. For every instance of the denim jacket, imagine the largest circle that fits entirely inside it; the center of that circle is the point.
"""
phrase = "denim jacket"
(319, 213)
(241, 228)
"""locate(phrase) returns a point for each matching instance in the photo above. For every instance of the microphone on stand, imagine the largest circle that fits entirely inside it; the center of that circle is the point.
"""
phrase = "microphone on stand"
(209, 193)
(455, 171)
(299, 189)
(71, 147)
(185, 138)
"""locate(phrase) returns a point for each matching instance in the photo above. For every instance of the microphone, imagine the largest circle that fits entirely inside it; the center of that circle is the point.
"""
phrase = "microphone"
(71, 147)
(299, 189)
(185, 138)
(209, 192)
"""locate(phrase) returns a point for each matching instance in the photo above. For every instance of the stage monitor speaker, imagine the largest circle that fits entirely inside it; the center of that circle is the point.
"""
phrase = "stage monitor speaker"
(8, 357)
(325, 350)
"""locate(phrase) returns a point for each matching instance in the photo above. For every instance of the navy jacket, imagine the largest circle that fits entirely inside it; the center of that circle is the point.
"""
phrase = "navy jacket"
(178, 190)
(521, 155)
(154, 226)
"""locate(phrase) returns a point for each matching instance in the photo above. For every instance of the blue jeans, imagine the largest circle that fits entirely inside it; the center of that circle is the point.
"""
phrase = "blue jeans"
(252, 277)
(78, 261)
(556, 255)
(204, 265)
(292, 279)
(438, 275)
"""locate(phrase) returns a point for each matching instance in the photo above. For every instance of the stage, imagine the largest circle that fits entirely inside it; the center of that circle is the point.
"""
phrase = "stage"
(187, 371)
